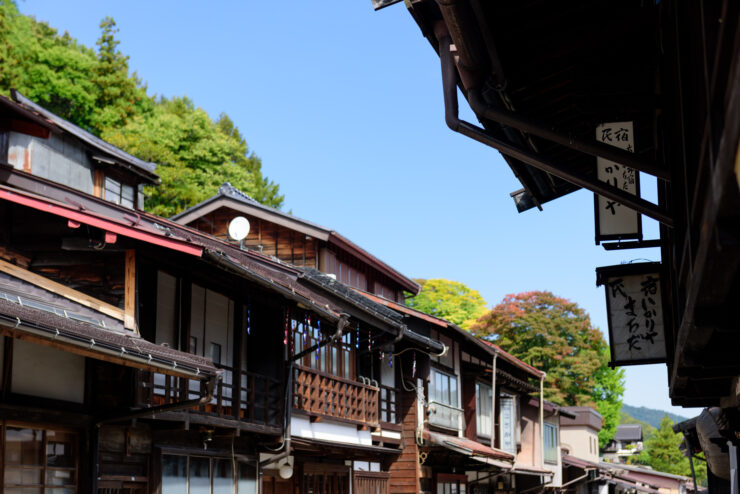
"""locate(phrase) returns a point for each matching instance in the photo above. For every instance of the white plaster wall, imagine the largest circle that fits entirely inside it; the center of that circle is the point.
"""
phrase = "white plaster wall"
(47, 372)
(327, 430)
(576, 438)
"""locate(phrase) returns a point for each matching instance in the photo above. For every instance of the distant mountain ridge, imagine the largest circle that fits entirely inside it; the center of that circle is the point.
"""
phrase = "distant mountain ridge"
(651, 415)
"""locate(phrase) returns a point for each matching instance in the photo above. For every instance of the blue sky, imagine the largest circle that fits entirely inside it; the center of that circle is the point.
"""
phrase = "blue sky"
(344, 107)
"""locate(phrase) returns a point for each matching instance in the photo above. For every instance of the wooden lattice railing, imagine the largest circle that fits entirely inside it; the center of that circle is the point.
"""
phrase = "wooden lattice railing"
(322, 394)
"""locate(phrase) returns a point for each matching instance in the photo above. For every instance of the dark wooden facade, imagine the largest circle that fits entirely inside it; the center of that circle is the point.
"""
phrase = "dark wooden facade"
(298, 242)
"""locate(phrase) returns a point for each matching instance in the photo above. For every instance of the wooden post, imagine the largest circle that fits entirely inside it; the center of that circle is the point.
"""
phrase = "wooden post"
(129, 297)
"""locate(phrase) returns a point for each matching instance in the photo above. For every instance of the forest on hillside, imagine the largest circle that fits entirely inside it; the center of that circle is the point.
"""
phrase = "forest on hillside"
(94, 88)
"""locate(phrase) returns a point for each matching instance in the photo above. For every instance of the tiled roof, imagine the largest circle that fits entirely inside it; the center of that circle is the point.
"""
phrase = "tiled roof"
(125, 347)
(628, 432)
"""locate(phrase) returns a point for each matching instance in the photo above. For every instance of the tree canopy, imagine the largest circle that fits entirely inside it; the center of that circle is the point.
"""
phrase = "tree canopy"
(556, 335)
(661, 453)
(450, 300)
(95, 90)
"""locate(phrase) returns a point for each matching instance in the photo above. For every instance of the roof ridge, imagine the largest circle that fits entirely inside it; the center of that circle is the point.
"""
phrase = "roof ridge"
(226, 189)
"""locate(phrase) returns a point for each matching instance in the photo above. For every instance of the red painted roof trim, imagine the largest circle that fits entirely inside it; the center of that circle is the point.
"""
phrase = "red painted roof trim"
(110, 226)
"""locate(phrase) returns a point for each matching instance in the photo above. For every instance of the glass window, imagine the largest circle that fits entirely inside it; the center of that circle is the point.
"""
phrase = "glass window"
(199, 475)
(551, 443)
(206, 475)
(483, 398)
(443, 394)
(118, 193)
(174, 474)
(39, 460)
(247, 483)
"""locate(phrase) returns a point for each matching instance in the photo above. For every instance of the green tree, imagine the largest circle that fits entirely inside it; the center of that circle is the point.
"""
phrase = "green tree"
(96, 91)
(449, 300)
(51, 69)
(555, 335)
(661, 453)
(120, 95)
(195, 155)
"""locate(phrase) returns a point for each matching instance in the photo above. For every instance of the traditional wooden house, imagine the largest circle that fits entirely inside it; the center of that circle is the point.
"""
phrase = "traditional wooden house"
(470, 420)
(593, 95)
(298, 242)
(143, 356)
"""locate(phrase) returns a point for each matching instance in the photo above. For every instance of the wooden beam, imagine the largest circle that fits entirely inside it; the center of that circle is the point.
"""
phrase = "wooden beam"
(61, 290)
(129, 297)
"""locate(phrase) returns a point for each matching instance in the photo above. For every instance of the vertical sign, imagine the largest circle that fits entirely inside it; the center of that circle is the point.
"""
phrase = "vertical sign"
(613, 220)
(507, 423)
(634, 306)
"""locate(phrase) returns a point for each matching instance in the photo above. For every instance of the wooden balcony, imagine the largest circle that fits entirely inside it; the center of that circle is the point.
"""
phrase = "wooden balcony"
(259, 399)
(324, 395)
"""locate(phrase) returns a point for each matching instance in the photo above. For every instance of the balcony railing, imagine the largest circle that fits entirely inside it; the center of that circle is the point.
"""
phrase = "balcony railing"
(321, 394)
(447, 416)
(260, 398)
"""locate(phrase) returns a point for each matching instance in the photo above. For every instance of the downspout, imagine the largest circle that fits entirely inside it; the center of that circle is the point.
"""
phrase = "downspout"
(172, 407)
(542, 420)
(494, 394)
(287, 417)
(449, 84)
(691, 459)
(467, 39)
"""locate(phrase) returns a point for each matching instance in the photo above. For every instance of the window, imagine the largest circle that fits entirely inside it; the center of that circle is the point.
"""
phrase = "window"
(336, 358)
(483, 399)
(118, 193)
(42, 459)
(443, 396)
(451, 484)
(203, 475)
(551, 443)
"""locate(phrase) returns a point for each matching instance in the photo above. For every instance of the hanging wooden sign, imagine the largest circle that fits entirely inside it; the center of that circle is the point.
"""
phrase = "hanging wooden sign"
(613, 220)
(634, 304)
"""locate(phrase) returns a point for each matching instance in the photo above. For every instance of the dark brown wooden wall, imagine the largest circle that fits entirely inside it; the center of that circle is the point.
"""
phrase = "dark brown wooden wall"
(278, 241)
(405, 470)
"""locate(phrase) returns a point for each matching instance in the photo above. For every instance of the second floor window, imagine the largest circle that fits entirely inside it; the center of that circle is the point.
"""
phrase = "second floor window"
(551, 443)
(443, 393)
(119, 193)
(336, 358)
(483, 398)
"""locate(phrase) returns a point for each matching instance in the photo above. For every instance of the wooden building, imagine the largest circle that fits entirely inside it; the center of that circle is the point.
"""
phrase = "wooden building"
(469, 420)
(298, 242)
(138, 355)
(589, 94)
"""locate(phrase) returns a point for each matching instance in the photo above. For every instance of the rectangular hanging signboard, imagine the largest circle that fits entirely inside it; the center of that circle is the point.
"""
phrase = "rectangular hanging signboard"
(634, 304)
(613, 220)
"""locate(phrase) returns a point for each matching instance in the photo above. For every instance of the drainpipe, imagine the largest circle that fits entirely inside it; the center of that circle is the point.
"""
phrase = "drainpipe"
(493, 401)
(287, 416)
(449, 84)
(172, 407)
(542, 420)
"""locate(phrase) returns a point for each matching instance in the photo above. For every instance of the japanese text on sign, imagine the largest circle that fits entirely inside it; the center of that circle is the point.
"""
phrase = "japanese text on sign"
(636, 317)
(614, 219)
